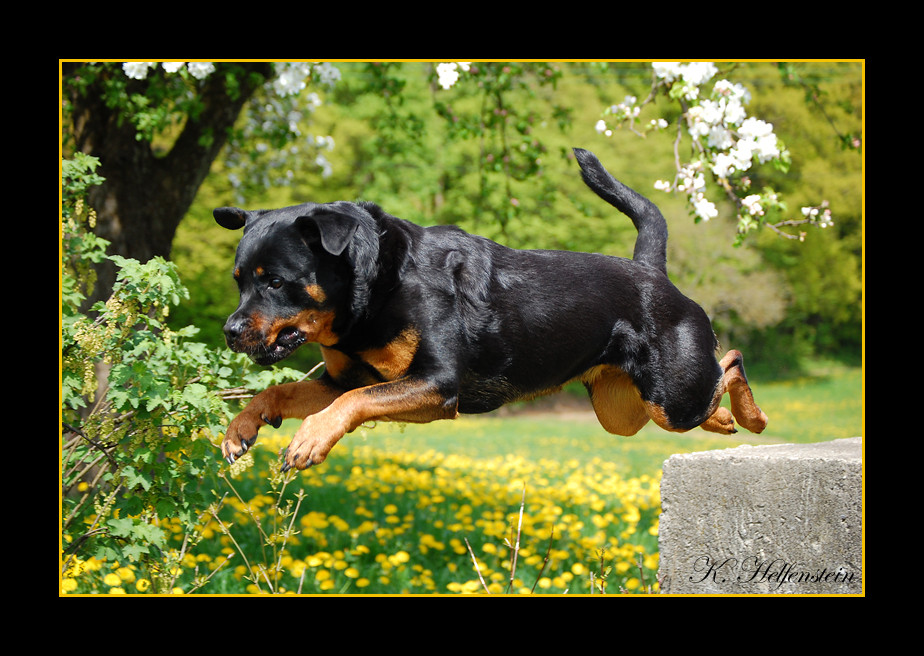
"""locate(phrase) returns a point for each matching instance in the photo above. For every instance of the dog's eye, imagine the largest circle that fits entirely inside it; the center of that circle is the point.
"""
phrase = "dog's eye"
(275, 282)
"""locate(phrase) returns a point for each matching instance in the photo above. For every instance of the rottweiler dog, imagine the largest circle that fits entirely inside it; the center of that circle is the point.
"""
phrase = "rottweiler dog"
(417, 324)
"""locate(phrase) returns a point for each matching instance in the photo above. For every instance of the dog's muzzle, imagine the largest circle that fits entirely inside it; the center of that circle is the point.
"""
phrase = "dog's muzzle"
(243, 337)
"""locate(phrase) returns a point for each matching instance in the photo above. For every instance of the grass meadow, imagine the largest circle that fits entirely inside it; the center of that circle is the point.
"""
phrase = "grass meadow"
(526, 503)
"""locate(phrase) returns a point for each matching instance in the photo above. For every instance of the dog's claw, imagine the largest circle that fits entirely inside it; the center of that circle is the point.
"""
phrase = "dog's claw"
(275, 422)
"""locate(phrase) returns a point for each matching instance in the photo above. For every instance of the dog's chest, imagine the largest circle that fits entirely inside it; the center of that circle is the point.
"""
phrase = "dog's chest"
(374, 365)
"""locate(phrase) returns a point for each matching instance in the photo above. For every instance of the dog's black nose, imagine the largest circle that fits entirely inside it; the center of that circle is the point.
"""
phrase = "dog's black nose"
(234, 328)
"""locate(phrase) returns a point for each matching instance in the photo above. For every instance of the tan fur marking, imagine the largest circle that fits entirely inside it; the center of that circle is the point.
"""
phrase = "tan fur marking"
(743, 408)
(335, 362)
(659, 417)
(393, 360)
(315, 324)
(720, 421)
(616, 400)
(316, 293)
(408, 399)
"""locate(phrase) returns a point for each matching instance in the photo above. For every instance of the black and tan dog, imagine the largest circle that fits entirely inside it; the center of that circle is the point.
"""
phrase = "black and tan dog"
(417, 324)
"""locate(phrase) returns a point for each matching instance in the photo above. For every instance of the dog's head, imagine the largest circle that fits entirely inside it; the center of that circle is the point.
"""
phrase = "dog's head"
(302, 272)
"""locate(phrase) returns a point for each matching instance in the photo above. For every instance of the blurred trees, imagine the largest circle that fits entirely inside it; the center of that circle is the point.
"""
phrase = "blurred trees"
(156, 138)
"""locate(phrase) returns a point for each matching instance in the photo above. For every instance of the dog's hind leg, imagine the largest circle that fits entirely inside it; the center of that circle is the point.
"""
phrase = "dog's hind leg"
(743, 407)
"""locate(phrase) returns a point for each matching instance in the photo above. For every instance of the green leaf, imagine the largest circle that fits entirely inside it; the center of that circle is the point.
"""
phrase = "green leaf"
(134, 478)
(135, 551)
(120, 528)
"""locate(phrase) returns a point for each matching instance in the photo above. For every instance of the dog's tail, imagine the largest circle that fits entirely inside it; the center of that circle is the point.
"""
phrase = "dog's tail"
(651, 245)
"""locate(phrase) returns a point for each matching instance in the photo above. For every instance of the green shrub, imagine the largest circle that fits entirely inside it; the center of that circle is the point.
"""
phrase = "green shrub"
(134, 449)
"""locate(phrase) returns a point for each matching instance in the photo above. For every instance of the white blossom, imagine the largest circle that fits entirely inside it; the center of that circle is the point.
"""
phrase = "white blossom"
(723, 165)
(447, 73)
(137, 70)
(734, 111)
(326, 169)
(668, 71)
(752, 204)
(662, 185)
(754, 127)
(732, 91)
(327, 73)
(200, 70)
(291, 78)
(326, 143)
(704, 208)
(720, 138)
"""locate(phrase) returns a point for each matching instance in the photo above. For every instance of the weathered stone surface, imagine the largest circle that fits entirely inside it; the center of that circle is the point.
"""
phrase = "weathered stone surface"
(764, 520)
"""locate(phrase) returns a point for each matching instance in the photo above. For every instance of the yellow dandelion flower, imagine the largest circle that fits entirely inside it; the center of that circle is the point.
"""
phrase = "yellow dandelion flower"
(472, 586)
(112, 579)
(142, 585)
(68, 585)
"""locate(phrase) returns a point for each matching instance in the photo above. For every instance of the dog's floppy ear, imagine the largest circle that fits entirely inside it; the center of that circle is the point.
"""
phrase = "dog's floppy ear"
(346, 231)
(335, 230)
(231, 218)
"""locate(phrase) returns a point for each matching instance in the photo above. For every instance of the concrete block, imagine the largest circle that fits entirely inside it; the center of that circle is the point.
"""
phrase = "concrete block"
(776, 519)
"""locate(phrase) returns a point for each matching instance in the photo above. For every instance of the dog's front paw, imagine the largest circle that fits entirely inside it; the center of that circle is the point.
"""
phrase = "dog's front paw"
(311, 444)
(242, 433)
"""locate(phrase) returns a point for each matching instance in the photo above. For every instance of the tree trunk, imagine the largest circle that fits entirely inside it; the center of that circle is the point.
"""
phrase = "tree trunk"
(146, 194)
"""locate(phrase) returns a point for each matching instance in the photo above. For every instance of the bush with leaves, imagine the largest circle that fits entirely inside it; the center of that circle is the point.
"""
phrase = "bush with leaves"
(140, 446)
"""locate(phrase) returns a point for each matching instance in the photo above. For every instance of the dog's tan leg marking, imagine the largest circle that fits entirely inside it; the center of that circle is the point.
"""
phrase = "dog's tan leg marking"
(743, 408)
(616, 400)
(621, 410)
(407, 399)
(720, 421)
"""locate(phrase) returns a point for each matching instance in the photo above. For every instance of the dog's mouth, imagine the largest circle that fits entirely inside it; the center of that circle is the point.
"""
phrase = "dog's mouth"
(269, 342)
(287, 340)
